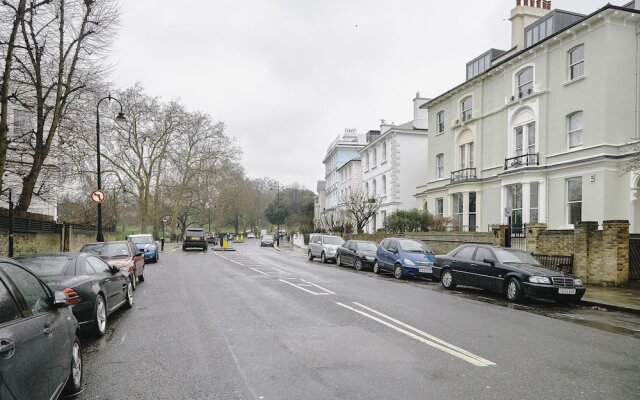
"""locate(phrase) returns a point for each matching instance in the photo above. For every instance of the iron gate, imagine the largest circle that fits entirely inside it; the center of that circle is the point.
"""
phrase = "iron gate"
(634, 257)
(519, 237)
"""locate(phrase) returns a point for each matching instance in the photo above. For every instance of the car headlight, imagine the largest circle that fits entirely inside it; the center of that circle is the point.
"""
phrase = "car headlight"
(577, 282)
(369, 258)
(540, 279)
(406, 261)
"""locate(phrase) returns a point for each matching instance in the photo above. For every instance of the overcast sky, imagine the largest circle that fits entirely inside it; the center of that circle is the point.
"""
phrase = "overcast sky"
(288, 76)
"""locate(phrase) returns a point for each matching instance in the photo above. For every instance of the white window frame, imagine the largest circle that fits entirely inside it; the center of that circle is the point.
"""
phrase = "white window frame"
(440, 166)
(440, 121)
(439, 208)
(572, 202)
(576, 132)
(384, 151)
(519, 86)
(467, 113)
(384, 185)
(375, 157)
(576, 63)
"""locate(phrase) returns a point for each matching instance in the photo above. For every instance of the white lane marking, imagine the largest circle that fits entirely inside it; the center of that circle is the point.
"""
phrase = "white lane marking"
(434, 342)
(281, 271)
(257, 270)
(326, 293)
(318, 286)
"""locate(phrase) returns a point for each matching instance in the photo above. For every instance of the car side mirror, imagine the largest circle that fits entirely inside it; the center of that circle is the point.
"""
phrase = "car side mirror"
(60, 299)
(489, 261)
(113, 270)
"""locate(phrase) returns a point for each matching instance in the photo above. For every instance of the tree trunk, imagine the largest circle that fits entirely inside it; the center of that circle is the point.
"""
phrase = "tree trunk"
(4, 90)
(29, 181)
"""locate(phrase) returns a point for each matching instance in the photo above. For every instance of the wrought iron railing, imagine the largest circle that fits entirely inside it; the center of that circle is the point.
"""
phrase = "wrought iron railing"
(556, 263)
(522, 161)
(462, 175)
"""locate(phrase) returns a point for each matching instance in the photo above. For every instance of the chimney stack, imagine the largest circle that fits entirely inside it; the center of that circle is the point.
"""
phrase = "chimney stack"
(525, 13)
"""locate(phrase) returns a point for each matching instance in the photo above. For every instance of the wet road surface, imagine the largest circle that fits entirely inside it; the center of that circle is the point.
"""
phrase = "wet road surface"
(262, 324)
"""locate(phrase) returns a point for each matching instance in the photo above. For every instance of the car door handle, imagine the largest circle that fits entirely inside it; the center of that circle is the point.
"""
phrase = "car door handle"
(107, 280)
(453, 262)
(6, 346)
(47, 330)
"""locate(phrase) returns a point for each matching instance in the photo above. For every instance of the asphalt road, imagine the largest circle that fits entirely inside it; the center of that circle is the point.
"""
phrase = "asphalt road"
(262, 324)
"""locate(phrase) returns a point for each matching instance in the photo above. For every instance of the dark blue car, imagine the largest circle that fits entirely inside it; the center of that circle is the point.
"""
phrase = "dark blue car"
(404, 258)
(146, 245)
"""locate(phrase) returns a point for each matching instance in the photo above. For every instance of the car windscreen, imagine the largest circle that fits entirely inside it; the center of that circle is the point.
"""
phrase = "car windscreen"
(194, 232)
(515, 256)
(412, 246)
(107, 249)
(47, 265)
(333, 240)
(141, 239)
(367, 247)
(268, 237)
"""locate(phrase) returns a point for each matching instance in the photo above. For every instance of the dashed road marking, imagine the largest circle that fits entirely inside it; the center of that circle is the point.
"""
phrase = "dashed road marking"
(323, 292)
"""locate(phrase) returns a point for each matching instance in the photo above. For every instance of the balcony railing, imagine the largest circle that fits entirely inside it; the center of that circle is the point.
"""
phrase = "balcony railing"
(466, 174)
(524, 160)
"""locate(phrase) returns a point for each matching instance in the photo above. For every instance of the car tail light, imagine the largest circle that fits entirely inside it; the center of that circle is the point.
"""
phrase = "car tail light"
(73, 297)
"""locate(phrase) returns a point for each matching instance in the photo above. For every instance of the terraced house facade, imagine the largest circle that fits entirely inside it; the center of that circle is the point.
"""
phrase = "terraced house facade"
(542, 131)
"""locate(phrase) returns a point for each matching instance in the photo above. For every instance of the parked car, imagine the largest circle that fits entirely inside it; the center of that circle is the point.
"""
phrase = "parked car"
(513, 272)
(194, 237)
(94, 288)
(357, 253)
(325, 247)
(211, 237)
(122, 254)
(251, 235)
(404, 257)
(40, 350)
(267, 241)
(147, 245)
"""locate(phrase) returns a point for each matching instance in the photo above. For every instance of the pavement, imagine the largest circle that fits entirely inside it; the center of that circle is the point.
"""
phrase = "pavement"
(625, 299)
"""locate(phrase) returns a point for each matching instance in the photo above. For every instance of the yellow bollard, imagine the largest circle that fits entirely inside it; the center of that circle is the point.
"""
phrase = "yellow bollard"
(225, 244)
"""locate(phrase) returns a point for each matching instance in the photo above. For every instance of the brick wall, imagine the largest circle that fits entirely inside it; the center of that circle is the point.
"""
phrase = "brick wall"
(27, 243)
(601, 257)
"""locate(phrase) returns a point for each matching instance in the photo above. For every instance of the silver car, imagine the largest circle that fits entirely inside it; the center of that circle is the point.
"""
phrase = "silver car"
(324, 246)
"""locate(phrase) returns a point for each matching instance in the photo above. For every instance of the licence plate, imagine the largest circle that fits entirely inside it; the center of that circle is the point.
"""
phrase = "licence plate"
(426, 270)
(566, 291)
(195, 238)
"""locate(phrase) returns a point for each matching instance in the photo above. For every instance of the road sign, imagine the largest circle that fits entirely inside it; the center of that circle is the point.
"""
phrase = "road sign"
(98, 196)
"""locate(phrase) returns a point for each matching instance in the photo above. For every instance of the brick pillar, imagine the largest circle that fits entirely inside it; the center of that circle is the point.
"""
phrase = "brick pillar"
(582, 235)
(533, 231)
(499, 233)
(615, 253)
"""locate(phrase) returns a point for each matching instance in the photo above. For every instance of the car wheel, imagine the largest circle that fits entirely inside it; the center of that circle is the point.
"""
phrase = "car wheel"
(134, 281)
(397, 271)
(338, 261)
(309, 256)
(74, 382)
(514, 290)
(129, 303)
(184, 248)
(447, 280)
(376, 267)
(100, 316)
(323, 258)
(357, 265)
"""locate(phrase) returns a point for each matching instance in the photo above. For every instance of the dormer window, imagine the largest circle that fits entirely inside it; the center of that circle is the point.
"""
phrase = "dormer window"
(467, 108)
(525, 81)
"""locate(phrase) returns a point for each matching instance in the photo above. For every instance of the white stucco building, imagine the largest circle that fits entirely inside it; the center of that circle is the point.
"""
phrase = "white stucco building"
(342, 150)
(542, 129)
(394, 162)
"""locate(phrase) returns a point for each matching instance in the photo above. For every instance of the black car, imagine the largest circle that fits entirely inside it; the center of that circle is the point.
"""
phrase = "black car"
(357, 253)
(505, 270)
(40, 350)
(194, 237)
(94, 288)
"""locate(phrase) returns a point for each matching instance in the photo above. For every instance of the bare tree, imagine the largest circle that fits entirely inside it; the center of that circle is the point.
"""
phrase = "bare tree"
(62, 47)
(360, 207)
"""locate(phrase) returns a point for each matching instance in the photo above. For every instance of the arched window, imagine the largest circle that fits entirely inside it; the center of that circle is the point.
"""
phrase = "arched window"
(525, 81)
(576, 62)
(384, 185)
(366, 189)
(384, 151)
(375, 156)
(375, 188)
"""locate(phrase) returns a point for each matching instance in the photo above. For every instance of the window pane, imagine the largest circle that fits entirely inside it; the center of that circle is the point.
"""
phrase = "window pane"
(575, 189)
(575, 212)
(535, 34)
(529, 38)
(549, 26)
(32, 291)
(482, 254)
(466, 253)
(534, 194)
(531, 130)
(575, 139)
(8, 307)
(575, 121)
(472, 202)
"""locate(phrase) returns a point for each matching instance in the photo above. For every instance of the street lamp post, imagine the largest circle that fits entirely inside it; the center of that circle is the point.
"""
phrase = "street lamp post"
(119, 118)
